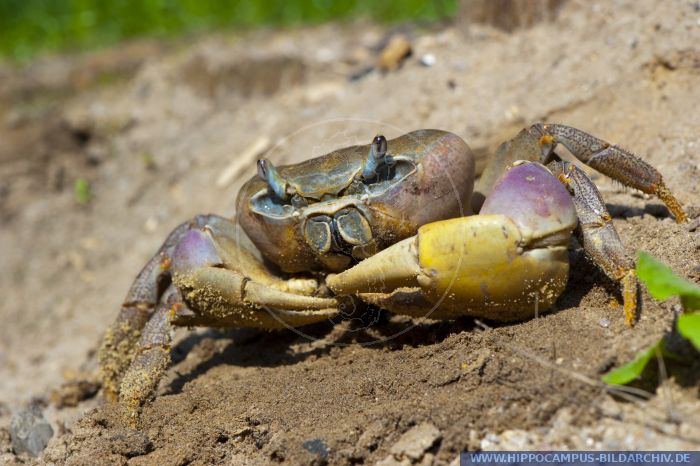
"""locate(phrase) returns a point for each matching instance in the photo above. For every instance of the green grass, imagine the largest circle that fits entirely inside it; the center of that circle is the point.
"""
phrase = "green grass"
(30, 27)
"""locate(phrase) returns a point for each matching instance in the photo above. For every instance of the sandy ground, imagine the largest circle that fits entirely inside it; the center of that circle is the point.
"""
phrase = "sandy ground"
(152, 128)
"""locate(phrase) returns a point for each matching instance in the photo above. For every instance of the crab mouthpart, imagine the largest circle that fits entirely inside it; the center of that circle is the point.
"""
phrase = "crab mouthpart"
(343, 237)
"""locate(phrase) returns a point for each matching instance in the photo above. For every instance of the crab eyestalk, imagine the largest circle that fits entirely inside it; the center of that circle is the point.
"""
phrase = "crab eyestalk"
(377, 155)
(277, 184)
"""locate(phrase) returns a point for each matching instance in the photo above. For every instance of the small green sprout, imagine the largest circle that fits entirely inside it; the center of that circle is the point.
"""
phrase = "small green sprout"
(81, 191)
(662, 283)
(633, 370)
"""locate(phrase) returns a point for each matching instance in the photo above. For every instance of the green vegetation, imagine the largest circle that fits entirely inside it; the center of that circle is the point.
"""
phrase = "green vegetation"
(633, 370)
(81, 191)
(689, 326)
(28, 27)
(662, 283)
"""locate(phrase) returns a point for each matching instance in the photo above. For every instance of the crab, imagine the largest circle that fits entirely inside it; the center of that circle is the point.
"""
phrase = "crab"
(390, 224)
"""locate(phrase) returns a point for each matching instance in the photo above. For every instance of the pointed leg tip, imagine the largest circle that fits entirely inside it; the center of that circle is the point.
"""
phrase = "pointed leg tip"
(672, 203)
(629, 294)
(680, 216)
(130, 413)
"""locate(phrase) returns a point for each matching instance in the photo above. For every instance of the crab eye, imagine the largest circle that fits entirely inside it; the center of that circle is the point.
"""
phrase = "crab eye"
(262, 169)
(380, 146)
(375, 158)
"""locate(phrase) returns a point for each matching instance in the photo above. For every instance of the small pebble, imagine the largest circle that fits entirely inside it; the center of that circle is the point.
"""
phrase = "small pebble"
(316, 447)
(395, 52)
(415, 442)
(605, 323)
(30, 431)
(150, 225)
(427, 60)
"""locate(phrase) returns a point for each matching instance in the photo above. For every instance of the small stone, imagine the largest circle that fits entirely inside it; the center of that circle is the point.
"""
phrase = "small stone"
(605, 323)
(428, 59)
(30, 431)
(316, 447)
(414, 443)
(516, 440)
(150, 225)
(489, 442)
(396, 51)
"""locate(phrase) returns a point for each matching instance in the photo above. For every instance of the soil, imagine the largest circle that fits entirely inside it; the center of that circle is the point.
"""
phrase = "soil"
(151, 127)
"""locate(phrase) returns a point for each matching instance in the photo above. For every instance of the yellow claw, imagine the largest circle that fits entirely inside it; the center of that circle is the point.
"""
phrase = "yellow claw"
(479, 266)
(486, 272)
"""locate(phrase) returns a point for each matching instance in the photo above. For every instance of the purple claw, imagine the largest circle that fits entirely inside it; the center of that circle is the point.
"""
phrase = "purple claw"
(196, 249)
(534, 199)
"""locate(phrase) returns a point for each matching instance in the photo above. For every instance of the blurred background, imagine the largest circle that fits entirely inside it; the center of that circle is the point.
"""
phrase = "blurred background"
(31, 27)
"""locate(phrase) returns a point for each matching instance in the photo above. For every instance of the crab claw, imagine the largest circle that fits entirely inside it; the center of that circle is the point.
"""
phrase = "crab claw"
(504, 264)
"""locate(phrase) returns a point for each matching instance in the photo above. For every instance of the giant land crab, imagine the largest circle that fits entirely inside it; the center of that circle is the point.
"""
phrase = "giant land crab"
(386, 223)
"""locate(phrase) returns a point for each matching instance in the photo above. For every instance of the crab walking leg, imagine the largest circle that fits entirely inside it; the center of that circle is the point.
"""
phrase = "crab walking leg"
(611, 160)
(597, 233)
(151, 357)
(504, 264)
(116, 351)
(217, 279)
